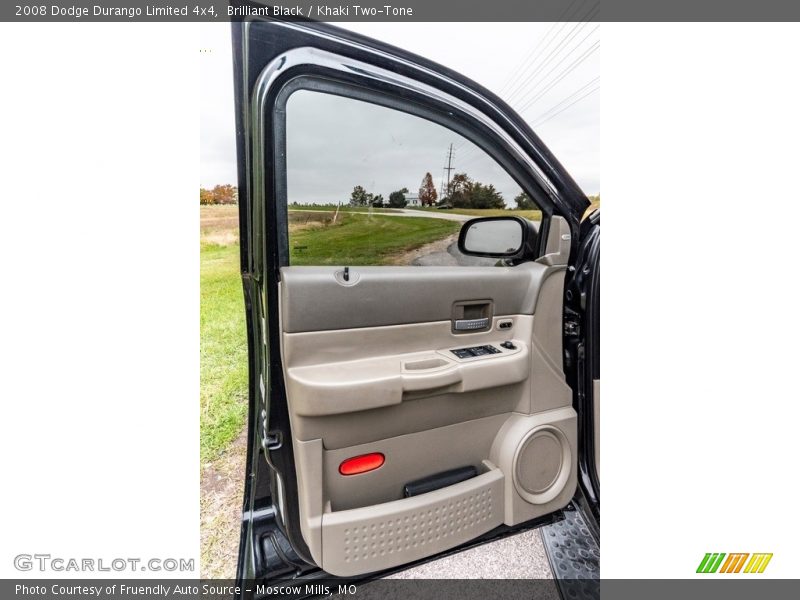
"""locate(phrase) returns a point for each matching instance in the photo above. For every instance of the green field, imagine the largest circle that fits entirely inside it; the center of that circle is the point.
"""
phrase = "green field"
(223, 349)
(357, 239)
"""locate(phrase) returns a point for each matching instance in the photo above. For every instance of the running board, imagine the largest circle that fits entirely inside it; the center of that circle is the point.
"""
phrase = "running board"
(574, 556)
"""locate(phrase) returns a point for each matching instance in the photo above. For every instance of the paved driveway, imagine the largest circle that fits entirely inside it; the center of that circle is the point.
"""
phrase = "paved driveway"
(520, 556)
(434, 214)
(451, 257)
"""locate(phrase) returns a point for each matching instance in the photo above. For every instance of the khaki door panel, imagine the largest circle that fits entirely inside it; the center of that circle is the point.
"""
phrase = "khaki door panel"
(396, 388)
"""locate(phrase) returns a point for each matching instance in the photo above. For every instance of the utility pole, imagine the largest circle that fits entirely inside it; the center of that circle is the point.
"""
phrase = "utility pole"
(449, 167)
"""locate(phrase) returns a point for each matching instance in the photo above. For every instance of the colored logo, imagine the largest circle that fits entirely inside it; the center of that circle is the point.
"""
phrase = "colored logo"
(734, 563)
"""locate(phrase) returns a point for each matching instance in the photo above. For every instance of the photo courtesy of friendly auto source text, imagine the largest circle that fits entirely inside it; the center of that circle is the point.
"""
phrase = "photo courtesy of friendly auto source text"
(399, 306)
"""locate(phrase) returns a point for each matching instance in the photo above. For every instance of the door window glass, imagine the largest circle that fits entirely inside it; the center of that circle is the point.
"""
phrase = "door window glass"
(370, 185)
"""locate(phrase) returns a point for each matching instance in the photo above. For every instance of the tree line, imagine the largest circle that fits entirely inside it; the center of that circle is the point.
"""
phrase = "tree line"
(427, 196)
(219, 194)
(462, 192)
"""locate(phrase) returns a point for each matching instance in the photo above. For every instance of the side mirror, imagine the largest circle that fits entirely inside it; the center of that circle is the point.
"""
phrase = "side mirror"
(512, 238)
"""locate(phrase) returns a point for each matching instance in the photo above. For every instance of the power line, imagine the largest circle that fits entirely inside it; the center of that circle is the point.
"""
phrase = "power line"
(468, 152)
(536, 78)
(481, 154)
(554, 52)
(449, 167)
(521, 84)
(471, 148)
(567, 98)
(549, 113)
(527, 64)
(543, 77)
(517, 73)
(470, 155)
(521, 68)
(589, 93)
(561, 76)
(510, 84)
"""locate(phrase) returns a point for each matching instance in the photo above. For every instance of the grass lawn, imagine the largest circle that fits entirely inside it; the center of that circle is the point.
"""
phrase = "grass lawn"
(365, 240)
(533, 215)
(223, 349)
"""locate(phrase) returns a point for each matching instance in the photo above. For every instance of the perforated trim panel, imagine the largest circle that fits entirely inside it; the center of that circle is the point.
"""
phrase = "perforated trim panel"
(379, 537)
(419, 529)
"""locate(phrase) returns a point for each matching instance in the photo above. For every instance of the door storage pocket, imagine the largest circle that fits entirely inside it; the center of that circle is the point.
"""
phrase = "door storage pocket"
(362, 540)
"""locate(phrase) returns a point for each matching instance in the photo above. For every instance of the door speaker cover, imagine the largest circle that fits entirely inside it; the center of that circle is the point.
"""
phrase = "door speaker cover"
(542, 464)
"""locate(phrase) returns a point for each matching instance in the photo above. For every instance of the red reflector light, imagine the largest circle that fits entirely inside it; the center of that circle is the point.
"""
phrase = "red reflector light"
(361, 464)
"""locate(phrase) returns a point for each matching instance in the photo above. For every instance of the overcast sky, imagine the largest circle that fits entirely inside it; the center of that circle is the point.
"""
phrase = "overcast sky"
(548, 72)
(336, 143)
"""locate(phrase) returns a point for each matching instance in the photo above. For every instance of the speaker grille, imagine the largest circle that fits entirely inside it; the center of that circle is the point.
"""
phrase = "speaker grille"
(541, 466)
(539, 462)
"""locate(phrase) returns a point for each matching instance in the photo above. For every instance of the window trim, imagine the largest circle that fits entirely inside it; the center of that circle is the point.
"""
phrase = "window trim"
(323, 85)
(352, 85)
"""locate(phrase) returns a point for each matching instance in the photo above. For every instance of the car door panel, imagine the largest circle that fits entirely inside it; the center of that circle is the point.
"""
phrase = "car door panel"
(415, 410)
(347, 398)
(346, 366)
(387, 380)
(377, 296)
(353, 541)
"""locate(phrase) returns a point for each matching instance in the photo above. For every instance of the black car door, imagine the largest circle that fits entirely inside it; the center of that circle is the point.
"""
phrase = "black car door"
(396, 410)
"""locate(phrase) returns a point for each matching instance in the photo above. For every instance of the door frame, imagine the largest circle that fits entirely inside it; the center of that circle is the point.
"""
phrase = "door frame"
(582, 355)
(265, 52)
